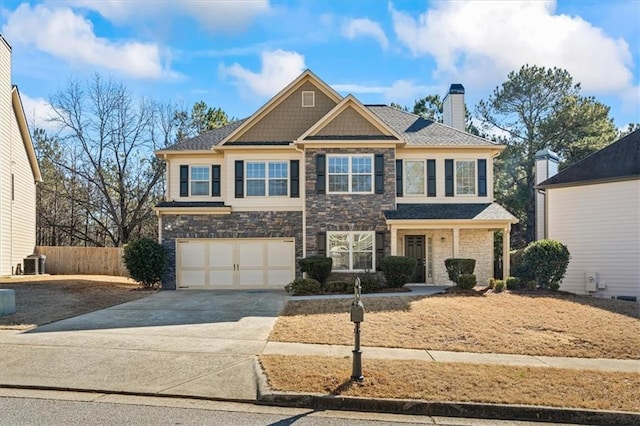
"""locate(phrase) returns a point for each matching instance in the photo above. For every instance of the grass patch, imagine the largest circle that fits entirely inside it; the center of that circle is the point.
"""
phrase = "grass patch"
(510, 323)
(433, 381)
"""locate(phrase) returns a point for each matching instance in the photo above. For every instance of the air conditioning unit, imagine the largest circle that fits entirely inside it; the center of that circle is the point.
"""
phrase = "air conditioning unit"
(31, 265)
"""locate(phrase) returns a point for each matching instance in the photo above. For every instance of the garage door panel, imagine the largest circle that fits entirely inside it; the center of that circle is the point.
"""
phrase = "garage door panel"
(221, 254)
(192, 255)
(221, 278)
(252, 278)
(193, 278)
(279, 277)
(251, 254)
(280, 254)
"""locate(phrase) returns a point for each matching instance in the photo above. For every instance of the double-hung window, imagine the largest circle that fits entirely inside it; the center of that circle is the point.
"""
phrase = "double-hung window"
(414, 177)
(200, 180)
(465, 177)
(350, 173)
(351, 250)
(267, 178)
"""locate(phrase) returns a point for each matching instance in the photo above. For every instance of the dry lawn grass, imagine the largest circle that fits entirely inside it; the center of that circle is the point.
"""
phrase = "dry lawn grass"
(433, 381)
(44, 299)
(534, 324)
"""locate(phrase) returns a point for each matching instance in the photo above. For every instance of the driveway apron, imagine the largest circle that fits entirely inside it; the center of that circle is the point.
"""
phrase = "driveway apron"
(187, 343)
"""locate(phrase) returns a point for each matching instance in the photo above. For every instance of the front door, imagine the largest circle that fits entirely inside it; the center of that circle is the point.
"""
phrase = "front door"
(414, 248)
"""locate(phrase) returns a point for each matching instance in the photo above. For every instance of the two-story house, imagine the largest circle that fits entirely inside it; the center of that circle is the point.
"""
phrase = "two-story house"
(315, 173)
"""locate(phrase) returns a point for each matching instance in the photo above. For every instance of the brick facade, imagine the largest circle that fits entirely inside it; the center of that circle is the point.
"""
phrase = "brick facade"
(478, 244)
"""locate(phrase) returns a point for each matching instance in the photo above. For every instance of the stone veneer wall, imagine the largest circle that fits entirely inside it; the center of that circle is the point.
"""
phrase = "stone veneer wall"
(269, 224)
(348, 212)
(478, 244)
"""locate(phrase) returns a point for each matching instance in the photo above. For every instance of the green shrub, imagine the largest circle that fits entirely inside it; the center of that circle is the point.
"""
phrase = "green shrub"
(554, 286)
(546, 261)
(499, 286)
(467, 281)
(317, 267)
(301, 286)
(456, 267)
(369, 283)
(146, 261)
(398, 270)
(492, 282)
(532, 285)
(513, 283)
(339, 287)
(518, 268)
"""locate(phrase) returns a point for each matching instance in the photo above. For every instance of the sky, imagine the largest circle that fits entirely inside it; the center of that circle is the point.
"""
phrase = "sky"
(237, 54)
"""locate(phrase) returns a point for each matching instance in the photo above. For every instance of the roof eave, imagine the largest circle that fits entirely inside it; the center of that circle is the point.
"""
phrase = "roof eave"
(24, 133)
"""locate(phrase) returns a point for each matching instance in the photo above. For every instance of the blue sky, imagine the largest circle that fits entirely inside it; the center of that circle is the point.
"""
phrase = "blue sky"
(237, 54)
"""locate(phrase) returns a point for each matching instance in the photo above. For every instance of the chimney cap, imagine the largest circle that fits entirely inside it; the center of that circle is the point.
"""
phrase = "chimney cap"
(456, 88)
(546, 153)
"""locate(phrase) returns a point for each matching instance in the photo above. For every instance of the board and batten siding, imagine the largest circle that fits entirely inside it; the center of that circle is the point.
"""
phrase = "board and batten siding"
(600, 225)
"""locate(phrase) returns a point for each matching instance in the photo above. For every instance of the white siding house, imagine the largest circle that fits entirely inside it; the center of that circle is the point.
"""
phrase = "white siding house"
(19, 173)
(593, 207)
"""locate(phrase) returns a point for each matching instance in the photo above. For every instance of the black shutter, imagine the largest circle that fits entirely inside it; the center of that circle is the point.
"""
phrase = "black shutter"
(378, 169)
(239, 179)
(215, 180)
(379, 248)
(398, 178)
(482, 178)
(184, 181)
(294, 166)
(321, 243)
(320, 173)
(431, 178)
(448, 178)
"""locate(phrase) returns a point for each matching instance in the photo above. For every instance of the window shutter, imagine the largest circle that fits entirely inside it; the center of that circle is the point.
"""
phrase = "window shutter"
(448, 178)
(321, 173)
(215, 180)
(378, 168)
(482, 178)
(294, 166)
(239, 179)
(184, 181)
(379, 248)
(398, 178)
(431, 178)
(321, 243)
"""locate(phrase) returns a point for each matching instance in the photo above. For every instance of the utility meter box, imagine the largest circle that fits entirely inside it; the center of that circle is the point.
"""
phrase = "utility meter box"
(357, 312)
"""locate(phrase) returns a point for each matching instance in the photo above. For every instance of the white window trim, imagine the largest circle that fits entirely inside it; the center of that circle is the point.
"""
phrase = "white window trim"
(350, 240)
(405, 179)
(266, 179)
(475, 177)
(350, 174)
(204, 166)
(313, 98)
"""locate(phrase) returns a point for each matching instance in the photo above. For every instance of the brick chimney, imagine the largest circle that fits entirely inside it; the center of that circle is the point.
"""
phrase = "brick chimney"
(453, 113)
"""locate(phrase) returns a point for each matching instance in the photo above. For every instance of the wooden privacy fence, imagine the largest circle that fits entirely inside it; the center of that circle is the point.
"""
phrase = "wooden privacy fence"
(83, 260)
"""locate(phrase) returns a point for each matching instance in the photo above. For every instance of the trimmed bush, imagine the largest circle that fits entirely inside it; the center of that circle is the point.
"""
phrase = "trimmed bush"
(146, 261)
(301, 286)
(339, 287)
(546, 261)
(317, 267)
(532, 285)
(456, 267)
(513, 283)
(369, 283)
(467, 281)
(499, 286)
(397, 270)
(492, 282)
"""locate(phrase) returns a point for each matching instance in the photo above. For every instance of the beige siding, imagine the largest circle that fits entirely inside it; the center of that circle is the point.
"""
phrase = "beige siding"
(5, 159)
(349, 122)
(600, 224)
(289, 119)
(173, 175)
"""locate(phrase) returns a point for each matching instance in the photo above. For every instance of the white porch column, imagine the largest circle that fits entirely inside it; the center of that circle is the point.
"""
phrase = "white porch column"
(456, 242)
(506, 248)
(394, 241)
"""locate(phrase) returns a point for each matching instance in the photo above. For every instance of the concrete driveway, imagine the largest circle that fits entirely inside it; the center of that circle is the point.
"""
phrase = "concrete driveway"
(186, 343)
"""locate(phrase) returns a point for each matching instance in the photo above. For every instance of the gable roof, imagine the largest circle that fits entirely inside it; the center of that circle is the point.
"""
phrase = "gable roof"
(416, 130)
(206, 140)
(468, 211)
(618, 161)
(24, 133)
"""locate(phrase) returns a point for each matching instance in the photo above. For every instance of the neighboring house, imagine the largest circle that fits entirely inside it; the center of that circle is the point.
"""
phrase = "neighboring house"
(593, 207)
(19, 173)
(315, 173)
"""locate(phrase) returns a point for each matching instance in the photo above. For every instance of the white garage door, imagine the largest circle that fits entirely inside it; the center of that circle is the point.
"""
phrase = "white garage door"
(235, 263)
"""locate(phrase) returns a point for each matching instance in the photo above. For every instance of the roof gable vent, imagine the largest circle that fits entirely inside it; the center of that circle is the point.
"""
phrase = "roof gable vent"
(308, 99)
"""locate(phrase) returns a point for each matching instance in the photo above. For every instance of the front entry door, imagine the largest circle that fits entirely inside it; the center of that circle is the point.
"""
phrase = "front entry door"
(414, 248)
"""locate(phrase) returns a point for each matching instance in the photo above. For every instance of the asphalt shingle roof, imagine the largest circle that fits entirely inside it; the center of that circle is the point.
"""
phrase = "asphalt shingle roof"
(211, 204)
(488, 211)
(205, 140)
(619, 160)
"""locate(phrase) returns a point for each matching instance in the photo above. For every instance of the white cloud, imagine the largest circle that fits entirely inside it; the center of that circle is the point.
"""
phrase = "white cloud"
(219, 15)
(472, 38)
(365, 28)
(38, 112)
(66, 35)
(279, 68)
(400, 91)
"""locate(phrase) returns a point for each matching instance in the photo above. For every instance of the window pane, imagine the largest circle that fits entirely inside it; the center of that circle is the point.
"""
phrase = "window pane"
(277, 187)
(199, 173)
(339, 250)
(339, 183)
(363, 260)
(255, 188)
(277, 170)
(465, 177)
(361, 165)
(200, 188)
(361, 183)
(338, 164)
(414, 184)
(255, 171)
(363, 242)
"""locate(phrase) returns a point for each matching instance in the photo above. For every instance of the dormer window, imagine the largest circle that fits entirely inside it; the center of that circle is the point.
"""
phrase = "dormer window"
(308, 99)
